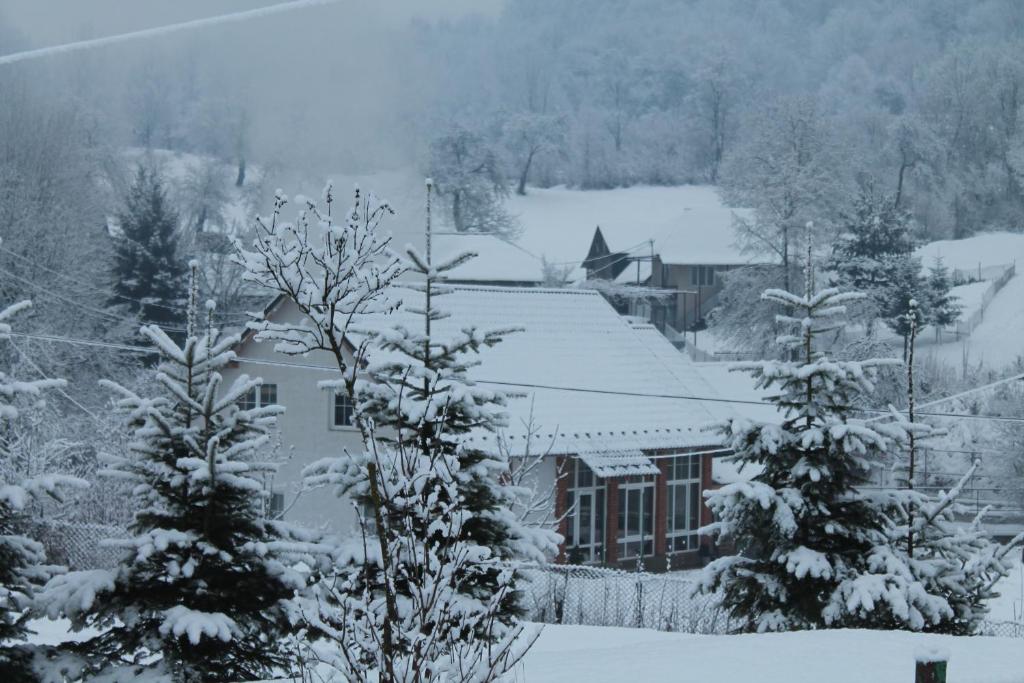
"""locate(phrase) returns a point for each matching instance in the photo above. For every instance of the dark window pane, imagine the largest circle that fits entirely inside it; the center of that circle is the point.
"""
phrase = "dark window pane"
(570, 521)
(633, 519)
(586, 477)
(599, 530)
(648, 521)
(694, 467)
(342, 410)
(694, 506)
(248, 400)
(622, 513)
(679, 509)
(586, 519)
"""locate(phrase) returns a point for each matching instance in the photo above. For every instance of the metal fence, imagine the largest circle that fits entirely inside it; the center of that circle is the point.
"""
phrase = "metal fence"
(999, 276)
(596, 596)
(76, 545)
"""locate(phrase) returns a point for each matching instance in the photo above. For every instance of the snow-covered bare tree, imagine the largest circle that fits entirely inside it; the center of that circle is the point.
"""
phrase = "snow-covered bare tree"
(204, 591)
(424, 592)
(471, 182)
(22, 560)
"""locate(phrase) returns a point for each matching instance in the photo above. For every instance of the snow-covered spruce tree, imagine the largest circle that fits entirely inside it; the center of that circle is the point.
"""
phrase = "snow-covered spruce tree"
(423, 593)
(812, 551)
(205, 589)
(149, 274)
(943, 307)
(22, 568)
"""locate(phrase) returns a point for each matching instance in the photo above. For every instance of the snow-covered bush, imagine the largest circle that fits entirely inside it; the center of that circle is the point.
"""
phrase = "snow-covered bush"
(22, 568)
(204, 591)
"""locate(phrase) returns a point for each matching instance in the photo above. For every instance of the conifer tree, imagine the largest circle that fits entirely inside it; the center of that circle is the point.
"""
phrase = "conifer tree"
(813, 550)
(149, 274)
(22, 568)
(907, 284)
(204, 590)
(943, 308)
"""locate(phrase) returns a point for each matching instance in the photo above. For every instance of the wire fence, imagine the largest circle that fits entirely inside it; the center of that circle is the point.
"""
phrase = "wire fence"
(553, 593)
(77, 545)
(597, 596)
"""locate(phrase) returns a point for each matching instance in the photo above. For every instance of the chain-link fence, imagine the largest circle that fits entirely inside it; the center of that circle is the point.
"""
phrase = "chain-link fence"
(596, 596)
(77, 545)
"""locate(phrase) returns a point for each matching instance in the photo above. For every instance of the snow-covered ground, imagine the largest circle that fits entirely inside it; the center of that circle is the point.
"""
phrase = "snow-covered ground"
(599, 654)
(998, 341)
(985, 250)
(1009, 606)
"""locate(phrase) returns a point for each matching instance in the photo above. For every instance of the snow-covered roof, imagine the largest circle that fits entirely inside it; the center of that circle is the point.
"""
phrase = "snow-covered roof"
(585, 374)
(749, 403)
(498, 260)
(688, 224)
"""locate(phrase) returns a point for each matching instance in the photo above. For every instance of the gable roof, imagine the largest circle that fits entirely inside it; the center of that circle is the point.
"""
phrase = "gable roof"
(585, 376)
(498, 260)
(688, 224)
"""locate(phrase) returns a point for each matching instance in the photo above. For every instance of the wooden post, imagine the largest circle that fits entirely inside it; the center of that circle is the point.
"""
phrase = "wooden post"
(931, 666)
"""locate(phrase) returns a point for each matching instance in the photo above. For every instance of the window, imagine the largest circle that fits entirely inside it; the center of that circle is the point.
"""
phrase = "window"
(683, 509)
(343, 413)
(258, 397)
(636, 517)
(276, 505)
(702, 276)
(584, 535)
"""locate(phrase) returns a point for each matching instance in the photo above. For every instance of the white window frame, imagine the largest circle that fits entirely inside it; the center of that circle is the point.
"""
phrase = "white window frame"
(595, 525)
(257, 396)
(683, 481)
(332, 397)
(643, 539)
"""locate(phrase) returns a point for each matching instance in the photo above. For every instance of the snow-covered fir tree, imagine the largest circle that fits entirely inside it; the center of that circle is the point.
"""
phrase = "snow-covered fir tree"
(149, 274)
(22, 559)
(204, 591)
(874, 243)
(812, 550)
(424, 592)
(943, 307)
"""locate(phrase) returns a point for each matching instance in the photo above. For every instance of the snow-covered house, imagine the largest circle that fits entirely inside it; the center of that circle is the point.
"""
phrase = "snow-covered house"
(684, 251)
(601, 401)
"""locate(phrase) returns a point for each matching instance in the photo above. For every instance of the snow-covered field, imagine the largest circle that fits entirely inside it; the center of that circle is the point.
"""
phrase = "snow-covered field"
(600, 654)
(998, 341)
(986, 249)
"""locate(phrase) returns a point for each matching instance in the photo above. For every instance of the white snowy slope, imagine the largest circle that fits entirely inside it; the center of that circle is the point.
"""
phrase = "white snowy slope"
(987, 249)
(612, 655)
(999, 340)
(689, 224)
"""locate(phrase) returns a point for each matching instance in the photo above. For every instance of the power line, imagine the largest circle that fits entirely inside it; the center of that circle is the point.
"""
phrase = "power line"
(521, 385)
(160, 30)
(96, 289)
(82, 307)
(59, 389)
